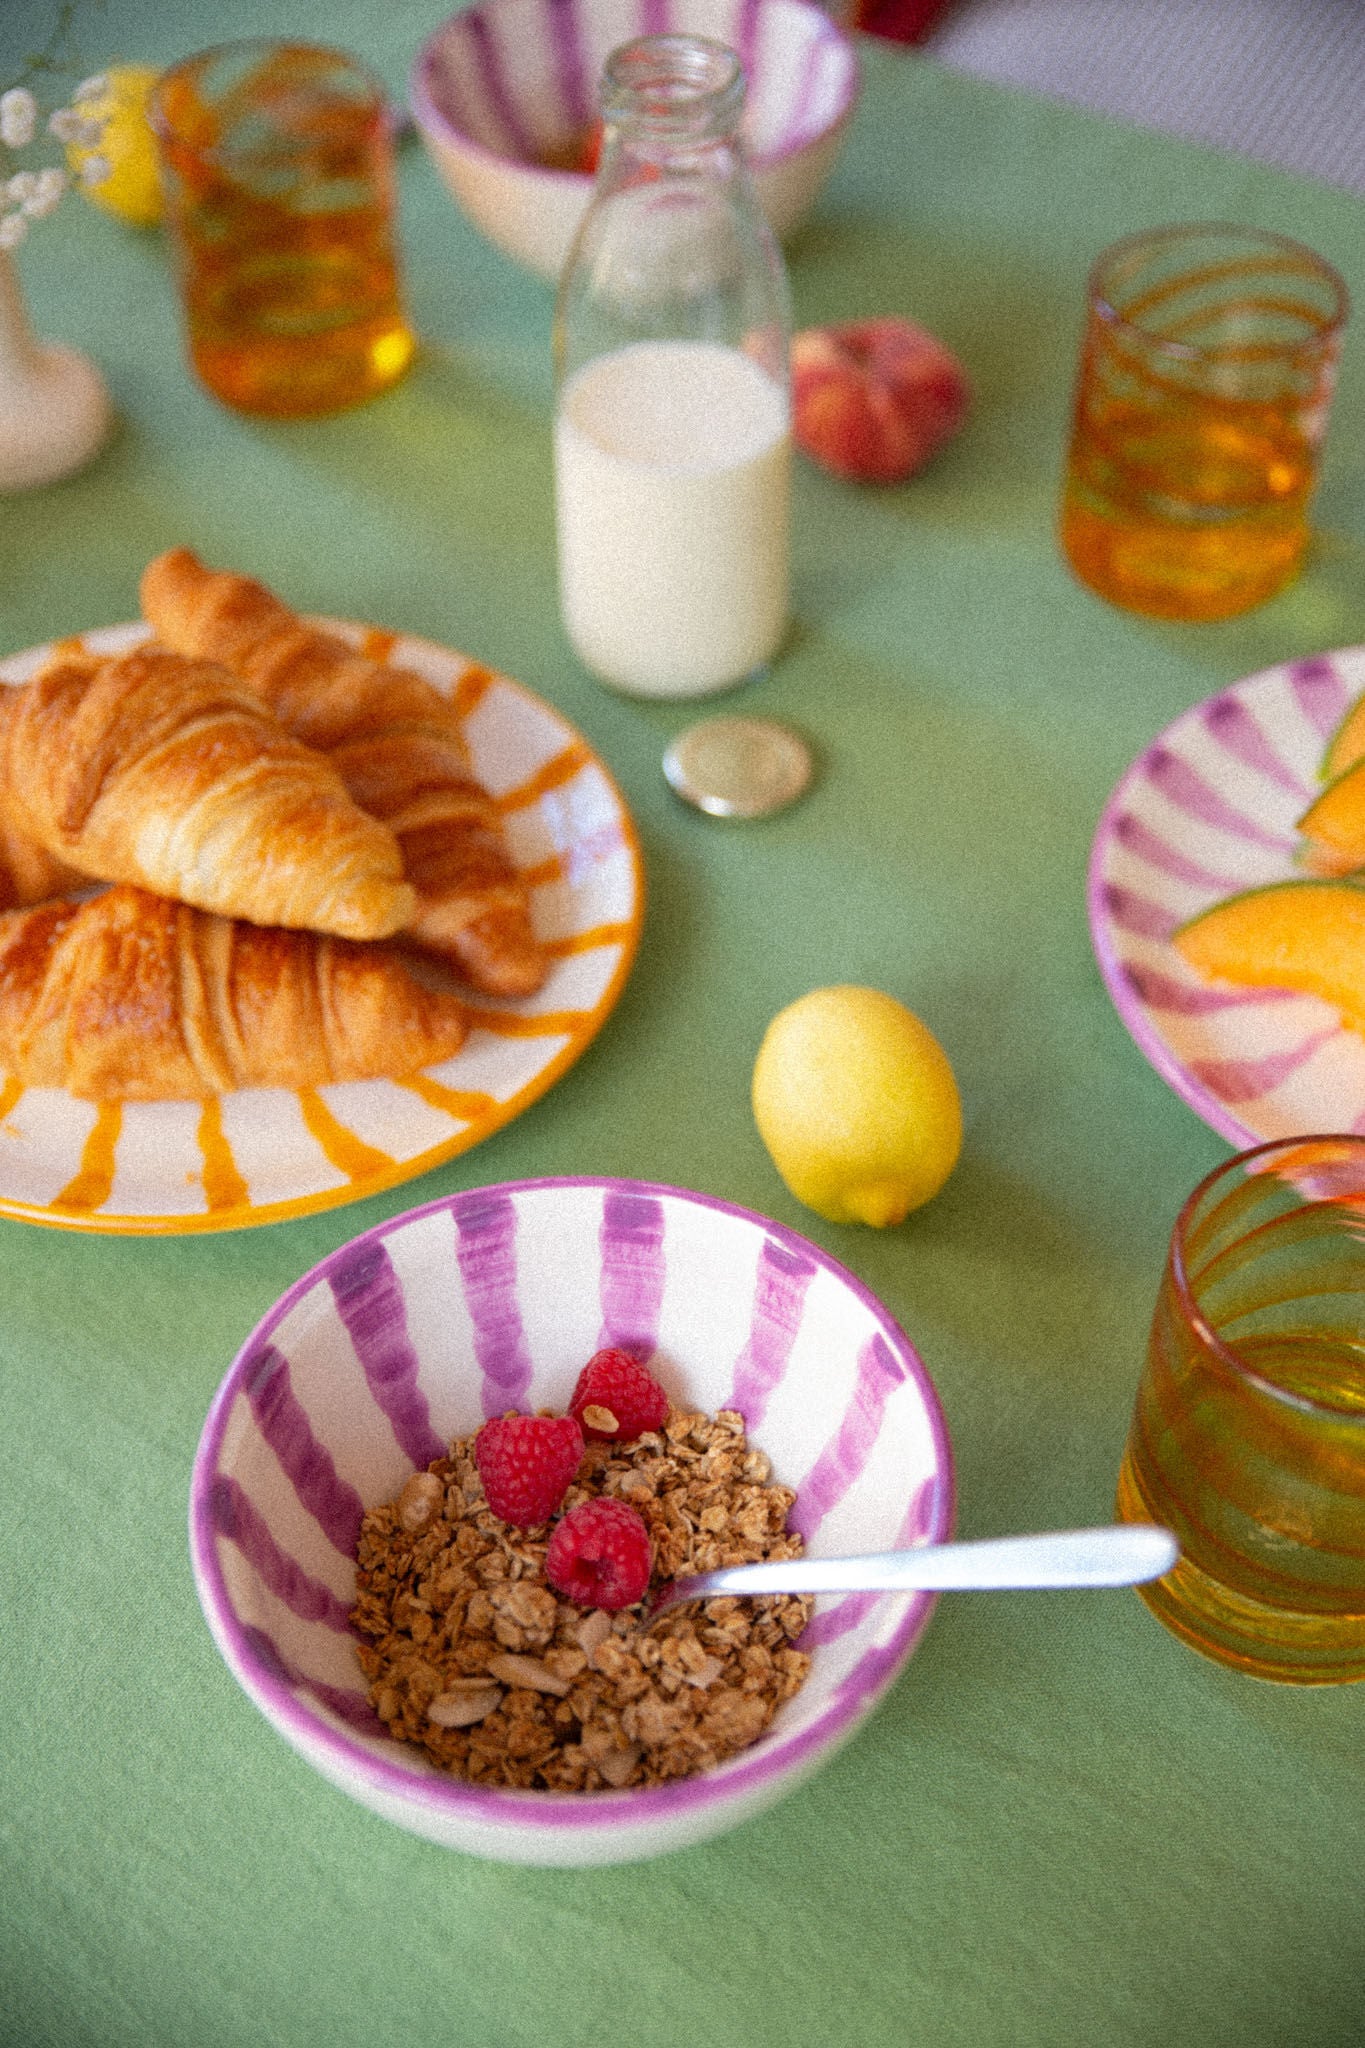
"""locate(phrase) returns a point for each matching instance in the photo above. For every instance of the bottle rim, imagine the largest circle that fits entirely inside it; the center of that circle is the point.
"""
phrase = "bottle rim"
(674, 86)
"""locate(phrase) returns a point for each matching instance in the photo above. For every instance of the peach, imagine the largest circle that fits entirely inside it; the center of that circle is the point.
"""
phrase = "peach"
(874, 399)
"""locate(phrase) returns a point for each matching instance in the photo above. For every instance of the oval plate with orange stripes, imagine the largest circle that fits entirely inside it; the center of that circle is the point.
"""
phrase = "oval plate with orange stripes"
(264, 1155)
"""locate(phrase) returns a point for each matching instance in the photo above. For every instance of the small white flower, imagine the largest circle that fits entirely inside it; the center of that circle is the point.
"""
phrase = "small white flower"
(13, 228)
(47, 192)
(21, 186)
(94, 171)
(18, 117)
(64, 124)
(91, 88)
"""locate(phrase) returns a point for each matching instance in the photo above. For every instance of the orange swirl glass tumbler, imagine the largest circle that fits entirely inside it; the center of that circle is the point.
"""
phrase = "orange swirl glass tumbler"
(1205, 382)
(1248, 1436)
(277, 165)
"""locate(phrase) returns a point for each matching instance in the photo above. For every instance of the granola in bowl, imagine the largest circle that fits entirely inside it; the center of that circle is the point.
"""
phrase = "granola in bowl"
(472, 1655)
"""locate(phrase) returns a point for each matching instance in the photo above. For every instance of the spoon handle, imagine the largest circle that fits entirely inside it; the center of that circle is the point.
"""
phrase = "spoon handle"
(1119, 1554)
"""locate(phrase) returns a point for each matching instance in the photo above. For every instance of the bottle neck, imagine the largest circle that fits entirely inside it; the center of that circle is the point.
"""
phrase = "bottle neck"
(666, 98)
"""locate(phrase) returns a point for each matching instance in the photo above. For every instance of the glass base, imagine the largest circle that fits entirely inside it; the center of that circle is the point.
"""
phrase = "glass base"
(1284, 1644)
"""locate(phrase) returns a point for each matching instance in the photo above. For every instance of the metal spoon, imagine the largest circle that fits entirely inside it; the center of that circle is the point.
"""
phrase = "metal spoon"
(1120, 1554)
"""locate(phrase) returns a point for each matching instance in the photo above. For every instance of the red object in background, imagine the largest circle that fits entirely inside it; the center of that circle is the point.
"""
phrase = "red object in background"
(900, 21)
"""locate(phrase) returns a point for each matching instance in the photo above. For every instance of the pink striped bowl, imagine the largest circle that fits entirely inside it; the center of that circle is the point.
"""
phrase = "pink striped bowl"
(416, 1331)
(499, 89)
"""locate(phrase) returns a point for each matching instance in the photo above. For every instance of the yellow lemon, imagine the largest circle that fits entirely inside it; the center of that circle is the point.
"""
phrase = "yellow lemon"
(855, 1100)
(132, 190)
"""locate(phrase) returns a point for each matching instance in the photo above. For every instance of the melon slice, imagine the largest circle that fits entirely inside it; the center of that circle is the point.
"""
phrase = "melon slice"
(1303, 935)
(1334, 826)
(1347, 744)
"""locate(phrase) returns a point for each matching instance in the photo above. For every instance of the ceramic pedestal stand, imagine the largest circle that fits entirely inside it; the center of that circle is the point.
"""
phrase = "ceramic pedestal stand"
(54, 408)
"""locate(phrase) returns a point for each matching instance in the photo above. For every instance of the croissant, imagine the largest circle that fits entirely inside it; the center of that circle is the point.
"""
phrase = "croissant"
(395, 741)
(28, 872)
(148, 768)
(129, 997)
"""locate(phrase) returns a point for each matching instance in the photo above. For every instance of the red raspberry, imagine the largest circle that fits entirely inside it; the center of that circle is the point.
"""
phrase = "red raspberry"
(600, 1555)
(527, 1463)
(615, 1386)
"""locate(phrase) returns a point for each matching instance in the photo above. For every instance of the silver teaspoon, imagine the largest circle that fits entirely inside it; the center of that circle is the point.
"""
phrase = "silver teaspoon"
(1120, 1554)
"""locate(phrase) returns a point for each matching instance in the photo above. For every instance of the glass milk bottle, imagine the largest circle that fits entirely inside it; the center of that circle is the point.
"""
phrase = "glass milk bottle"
(673, 407)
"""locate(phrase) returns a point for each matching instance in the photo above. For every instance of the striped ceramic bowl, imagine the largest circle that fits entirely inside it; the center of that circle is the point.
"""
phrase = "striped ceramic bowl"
(502, 91)
(493, 1298)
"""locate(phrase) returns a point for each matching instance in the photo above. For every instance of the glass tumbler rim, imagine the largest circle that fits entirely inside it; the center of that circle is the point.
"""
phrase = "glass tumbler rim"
(1099, 301)
(1227, 1355)
(372, 107)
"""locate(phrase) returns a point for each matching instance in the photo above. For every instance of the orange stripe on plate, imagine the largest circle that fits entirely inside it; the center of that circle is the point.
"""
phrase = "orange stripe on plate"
(511, 1024)
(545, 871)
(465, 1103)
(9, 1094)
(561, 768)
(472, 688)
(90, 1189)
(224, 1187)
(377, 643)
(349, 1155)
(589, 941)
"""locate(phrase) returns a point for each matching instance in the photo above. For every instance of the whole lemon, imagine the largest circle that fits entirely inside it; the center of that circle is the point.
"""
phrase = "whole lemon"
(855, 1100)
(132, 189)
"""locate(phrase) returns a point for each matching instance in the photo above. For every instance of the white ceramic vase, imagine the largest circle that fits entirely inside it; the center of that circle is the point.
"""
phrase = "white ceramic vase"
(54, 408)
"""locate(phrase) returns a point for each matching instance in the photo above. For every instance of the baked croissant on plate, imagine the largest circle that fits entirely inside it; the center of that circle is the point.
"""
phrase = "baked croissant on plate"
(28, 872)
(395, 741)
(150, 768)
(128, 997)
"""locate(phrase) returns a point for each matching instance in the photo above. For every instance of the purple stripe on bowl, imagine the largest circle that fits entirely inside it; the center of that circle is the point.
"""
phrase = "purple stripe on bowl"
(746, 34)
(335, 1507)
(1190, 792)
(577, 91)
(850, 1612)
(631, 1243)
(1139, 839)
(1247, 1080)
(776, 1758)
(497, 84)
(1164, 992)
(780, 1286)
(348, 1705)
(486, 1250)
(1138, 915)
(655, 18)
(1321, 691)
(1239, 734)
(839, 1464)
(239, 1522)
(370, 1303)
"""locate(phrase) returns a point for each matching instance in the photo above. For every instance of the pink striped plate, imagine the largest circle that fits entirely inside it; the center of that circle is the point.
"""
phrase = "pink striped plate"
(418, 1330)
(1210, 808)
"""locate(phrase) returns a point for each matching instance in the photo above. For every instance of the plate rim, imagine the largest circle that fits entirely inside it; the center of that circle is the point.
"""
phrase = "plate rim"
(250, 1216)
(1132, 1012)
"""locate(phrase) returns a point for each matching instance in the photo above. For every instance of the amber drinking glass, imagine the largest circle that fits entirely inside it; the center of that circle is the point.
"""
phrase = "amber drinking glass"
(1205, 381)
(1248, 1437)
(277, 164)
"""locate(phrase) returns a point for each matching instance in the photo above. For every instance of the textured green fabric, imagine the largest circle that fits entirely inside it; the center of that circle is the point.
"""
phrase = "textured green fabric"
(1062, 1827)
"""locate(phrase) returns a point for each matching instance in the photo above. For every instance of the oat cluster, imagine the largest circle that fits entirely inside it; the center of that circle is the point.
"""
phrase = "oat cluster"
(470, 1653)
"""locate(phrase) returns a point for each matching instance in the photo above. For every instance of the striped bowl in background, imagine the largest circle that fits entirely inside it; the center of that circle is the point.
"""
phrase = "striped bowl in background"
(494, 1298)
(1211, 808)
(499, 89)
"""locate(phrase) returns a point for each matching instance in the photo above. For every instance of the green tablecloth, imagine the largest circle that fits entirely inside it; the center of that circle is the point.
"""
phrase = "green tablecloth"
(1062, 1826)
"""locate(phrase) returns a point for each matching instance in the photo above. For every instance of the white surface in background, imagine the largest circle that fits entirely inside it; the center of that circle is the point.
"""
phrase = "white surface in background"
(1282, 80)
